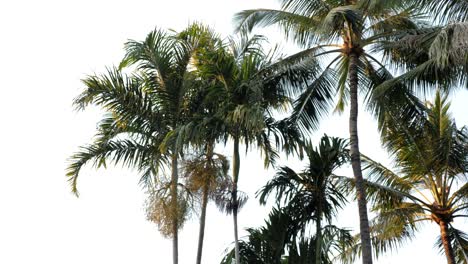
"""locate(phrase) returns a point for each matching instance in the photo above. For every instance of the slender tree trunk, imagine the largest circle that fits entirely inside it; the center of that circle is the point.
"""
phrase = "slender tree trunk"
(356, 161)
(318, 235)
(235, 175)
(175, 209)
(202, 223)
(446, 242)
(206, 190)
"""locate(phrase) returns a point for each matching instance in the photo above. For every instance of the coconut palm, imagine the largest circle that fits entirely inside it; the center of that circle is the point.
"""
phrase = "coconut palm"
(141, 110)
(347, 31)
(428, 185)
(312, 194)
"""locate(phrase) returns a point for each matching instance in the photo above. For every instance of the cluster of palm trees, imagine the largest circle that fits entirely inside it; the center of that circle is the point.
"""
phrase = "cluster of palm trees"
(177, 95)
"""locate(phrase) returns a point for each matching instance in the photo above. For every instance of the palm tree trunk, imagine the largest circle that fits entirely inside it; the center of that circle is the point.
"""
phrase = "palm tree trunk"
(235, 176)
(175, 210)
(206, 190)
(202, 223)
(356, 161)
(318, 236)
(446, 242)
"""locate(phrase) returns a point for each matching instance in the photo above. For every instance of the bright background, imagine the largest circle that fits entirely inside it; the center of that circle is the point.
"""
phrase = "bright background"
(46, 47)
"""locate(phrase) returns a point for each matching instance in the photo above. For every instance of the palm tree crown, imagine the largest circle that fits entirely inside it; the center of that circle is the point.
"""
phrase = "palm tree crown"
(313, 194)
(429, 183)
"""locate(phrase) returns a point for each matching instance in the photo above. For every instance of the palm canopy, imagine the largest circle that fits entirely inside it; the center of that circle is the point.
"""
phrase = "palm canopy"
(313, 194)
(141, 108)
(429, 183)
(432, 57)
(277, 242)
(241, 90)
(246, 90)
(329, 32)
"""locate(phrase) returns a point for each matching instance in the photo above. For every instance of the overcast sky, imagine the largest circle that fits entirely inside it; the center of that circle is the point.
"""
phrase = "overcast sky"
(46, 47)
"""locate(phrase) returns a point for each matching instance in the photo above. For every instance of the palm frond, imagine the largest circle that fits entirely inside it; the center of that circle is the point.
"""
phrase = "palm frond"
(433, 56)
(459, 241)
(154, 54)
(314, 103)
(449, 46)
(225, 202)
(397, 100)
(401, 18)
(392, 228)
(284, 184)
(308, 8)
(447, 10)
(389, 231)
(461, 195)
(296, 27)
(128, 152)
(122, 95)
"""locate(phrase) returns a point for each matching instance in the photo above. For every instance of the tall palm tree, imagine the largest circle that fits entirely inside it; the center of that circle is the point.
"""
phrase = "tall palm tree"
(428, 185)
(207, 175)
(312, 194)
(346, 30)
(141, 110)
(246, 90)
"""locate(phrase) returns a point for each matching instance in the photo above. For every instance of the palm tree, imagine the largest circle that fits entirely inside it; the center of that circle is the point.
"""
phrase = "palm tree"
(246, 90)
(141, 110)
(207, 175)
(347, 30)
(431, 158)
(312, 194)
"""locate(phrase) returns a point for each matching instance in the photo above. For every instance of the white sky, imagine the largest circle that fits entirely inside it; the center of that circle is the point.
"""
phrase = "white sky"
(46, 47)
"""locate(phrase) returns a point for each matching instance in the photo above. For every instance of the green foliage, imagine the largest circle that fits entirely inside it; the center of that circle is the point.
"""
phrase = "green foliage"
(446, 10)
(278, 242)
(304, 192)
(305, 197)
(337, 29)
(459, 240)
(431, 158)
(142, 110)
(434, 56)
